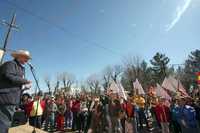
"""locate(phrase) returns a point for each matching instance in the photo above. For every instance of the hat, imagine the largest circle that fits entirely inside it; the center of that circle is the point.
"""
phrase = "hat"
(20, 53)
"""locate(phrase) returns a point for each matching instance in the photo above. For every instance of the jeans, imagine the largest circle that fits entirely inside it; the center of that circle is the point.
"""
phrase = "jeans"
(68, 119)
(108, 119)
(50, 120)
(165, 127)
(135, 125)
(6, 117)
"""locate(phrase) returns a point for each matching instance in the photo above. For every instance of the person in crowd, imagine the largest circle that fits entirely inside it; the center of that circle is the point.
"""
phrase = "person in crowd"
(140, 101)
(96, 109)
(76, 112)
(44, 115)
(108, 124)
(83, 115)
(176, 128)
(12, 80)
(187, 117)
(36, 110)
(68, 113)
(89, 104)
(115, 110)
(51, 109)
(153, 103)
(163, 115)
(196, 106)
(61, 108)
(129, 109)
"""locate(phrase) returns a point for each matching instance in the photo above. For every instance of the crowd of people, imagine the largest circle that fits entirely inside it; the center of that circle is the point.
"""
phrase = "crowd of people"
(92, 113)
(109, 113)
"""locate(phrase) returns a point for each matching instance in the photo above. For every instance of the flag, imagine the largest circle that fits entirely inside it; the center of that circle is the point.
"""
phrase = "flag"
(160, 92)
(138, 87)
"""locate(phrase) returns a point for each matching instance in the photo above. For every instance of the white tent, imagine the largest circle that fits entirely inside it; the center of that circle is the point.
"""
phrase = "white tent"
(117, 88)
(174, 85)
(167, 84)
(160, 92)
(121, 91)
(178, 85)
(138, 86)
(113, 88)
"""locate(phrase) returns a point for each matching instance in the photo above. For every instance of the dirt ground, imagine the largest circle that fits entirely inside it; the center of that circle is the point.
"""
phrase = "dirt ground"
(24, 129)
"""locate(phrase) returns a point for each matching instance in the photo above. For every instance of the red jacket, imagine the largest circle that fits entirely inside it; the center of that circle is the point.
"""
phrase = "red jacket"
(76, 106)
(129, 109)
(162, 113)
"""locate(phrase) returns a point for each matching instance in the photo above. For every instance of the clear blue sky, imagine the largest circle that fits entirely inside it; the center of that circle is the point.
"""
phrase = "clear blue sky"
(66, 35)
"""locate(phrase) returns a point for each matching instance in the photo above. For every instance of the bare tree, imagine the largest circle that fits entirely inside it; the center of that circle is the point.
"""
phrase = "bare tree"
(94, 84)
(109, 74)
(133, 70)
(57, 84)
(68, 80)
(116, 71)
(47, 80)
(106, 77)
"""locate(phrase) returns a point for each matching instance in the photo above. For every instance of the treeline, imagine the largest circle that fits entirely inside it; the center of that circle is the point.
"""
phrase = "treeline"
(132, 67)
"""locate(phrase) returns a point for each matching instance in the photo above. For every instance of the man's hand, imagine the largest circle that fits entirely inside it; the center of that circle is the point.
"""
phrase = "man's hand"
(27, 86)
(29, 82)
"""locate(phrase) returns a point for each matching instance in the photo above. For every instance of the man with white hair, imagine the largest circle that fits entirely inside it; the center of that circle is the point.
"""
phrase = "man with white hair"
(11, 83)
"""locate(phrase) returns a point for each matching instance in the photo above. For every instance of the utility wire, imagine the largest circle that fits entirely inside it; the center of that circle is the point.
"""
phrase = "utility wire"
(61, 28)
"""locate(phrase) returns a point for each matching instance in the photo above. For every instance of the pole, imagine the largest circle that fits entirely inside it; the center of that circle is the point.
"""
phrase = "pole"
(36, 90)
(10, 25)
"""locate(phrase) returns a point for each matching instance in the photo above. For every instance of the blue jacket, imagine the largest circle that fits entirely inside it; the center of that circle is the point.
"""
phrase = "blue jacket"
(188, 114)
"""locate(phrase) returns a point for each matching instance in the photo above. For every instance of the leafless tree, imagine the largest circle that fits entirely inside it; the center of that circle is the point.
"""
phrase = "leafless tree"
(116, 71)
(57, 84)
(106, 77)
(47, 80)
(109, 74)
(132, 66)
(68, 80)
(94, 83)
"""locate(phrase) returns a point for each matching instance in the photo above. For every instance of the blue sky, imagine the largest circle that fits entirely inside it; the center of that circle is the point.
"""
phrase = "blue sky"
(68, 35)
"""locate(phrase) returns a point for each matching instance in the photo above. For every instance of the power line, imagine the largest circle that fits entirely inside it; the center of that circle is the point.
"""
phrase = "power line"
(61, 28)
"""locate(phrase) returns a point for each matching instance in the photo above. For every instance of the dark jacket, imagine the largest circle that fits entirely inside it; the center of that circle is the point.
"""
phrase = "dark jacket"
(11, 81)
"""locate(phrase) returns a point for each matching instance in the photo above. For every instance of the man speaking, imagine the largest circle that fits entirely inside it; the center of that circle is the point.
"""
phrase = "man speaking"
(12, 79)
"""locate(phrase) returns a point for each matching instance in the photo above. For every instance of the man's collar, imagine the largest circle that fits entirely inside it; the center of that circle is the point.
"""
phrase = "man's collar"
(18, 63)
